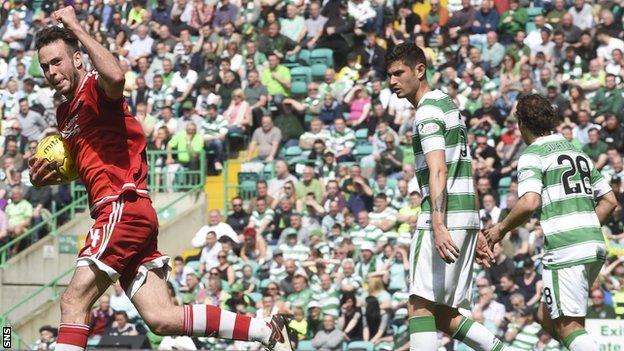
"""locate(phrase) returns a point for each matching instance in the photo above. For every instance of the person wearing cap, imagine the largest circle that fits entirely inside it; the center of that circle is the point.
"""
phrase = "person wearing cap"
(188, 115)
(189, 292)
(277, 269)
(183, 81)
(238, 301)
(291, 248)
(367, 262)
(319, 243)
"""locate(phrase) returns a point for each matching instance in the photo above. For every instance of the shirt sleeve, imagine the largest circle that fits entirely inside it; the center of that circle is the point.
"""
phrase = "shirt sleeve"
(430, 128)
(529, 174)
(599, 184)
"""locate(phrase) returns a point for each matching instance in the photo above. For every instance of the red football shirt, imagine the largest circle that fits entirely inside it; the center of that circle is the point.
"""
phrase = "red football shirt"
(106, 142)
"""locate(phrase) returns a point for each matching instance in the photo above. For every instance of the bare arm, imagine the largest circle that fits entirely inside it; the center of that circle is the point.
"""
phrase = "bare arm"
(605, 206)
(521, 213)
(111, 78)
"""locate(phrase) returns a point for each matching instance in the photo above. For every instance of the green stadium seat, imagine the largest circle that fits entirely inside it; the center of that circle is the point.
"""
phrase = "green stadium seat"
(304, 57)
(534, 11)
(530, 26)
(305, 345)
(322, 56)
(361, 135)
(193, 264)
(299, 88)
(318, 71)
(292, 151)
(301, 74)
(363, 150)
(360, 346)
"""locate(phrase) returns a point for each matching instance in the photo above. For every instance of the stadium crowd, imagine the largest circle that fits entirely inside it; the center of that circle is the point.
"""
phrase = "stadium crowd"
(300, 85)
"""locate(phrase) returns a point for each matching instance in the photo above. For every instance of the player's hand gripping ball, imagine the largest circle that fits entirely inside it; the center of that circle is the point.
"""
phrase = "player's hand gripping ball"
(53, 149)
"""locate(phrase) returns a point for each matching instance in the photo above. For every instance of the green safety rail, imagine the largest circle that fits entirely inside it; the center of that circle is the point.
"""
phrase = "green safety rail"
(51, 224)
(182, 180)
(53, 286)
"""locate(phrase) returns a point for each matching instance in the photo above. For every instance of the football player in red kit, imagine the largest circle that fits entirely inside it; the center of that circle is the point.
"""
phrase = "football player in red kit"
(108, 146)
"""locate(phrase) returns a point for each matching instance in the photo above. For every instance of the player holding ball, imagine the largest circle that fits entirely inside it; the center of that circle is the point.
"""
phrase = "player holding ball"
(108, 147)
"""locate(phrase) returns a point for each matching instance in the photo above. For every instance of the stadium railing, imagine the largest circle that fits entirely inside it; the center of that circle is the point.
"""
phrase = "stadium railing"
(181, 179)
(54, 288)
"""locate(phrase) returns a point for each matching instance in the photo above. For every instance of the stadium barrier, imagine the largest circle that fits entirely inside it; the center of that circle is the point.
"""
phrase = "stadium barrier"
(54, 289)
(181, 179)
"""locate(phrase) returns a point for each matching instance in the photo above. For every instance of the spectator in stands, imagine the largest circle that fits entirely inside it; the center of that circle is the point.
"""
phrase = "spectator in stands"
(32, 123)
(598, 309)
(492, 311)
(119, 301)
(276, 78)
(329, 338)
(254, 247)
(101, 317)
(238, 218)
(524, 330)
(375, 321)
(506, 290)
(210, 250)
(46, 340)
(122, 325)
(261, 219)
(596, 149)
(266, 139)
(282, 176)
(262, 192)
(215, 129)
(215, 224)
(19, 213)
(350, 320)
(608, 99)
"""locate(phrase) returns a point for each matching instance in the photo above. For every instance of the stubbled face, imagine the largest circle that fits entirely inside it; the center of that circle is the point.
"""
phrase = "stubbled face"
(60, 68)
(403, 80)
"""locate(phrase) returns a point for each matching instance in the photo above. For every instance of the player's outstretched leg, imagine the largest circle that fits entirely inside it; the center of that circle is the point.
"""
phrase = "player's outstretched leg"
(85, 287)
(471, 333)
(422, 325)
(164, 318)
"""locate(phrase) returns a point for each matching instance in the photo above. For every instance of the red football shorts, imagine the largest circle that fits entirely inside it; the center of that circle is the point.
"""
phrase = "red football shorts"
(123, 242)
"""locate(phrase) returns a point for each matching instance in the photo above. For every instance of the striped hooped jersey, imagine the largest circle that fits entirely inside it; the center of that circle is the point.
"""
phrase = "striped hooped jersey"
(439, 126)
(568, 183)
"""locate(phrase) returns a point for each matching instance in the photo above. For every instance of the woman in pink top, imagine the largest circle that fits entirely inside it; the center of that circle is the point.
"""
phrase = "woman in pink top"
(238, 114)
(359, 105)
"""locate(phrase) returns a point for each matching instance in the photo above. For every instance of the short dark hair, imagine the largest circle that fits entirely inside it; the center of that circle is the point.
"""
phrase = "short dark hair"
(408, 53)
(536, 113)
(51, 34)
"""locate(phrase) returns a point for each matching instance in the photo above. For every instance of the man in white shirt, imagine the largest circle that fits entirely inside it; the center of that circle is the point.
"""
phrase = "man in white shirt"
(183, 80)
(582, 14)
(493, 311)
(490, 208)
(607, 45)
(141, 44)
(15, 33)
(215, 224)
(210, 252)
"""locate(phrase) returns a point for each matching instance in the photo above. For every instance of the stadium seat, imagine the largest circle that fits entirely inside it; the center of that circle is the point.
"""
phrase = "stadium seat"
(361, 135)
(534, 11)
(193, 264)
(291, 61)
(530, 26)
(298, 88)
(322, 56)
(301, 74)
(305, 345)
(292, 152)
(360, 346)
(363, 150)
(304, 57)
(247, 184)
(318, 71)
(256, 297)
